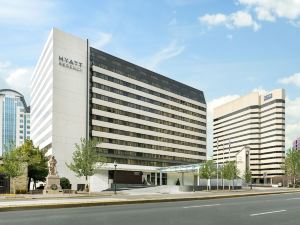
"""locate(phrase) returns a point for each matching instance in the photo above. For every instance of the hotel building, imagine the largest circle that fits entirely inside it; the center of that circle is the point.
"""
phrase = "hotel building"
(256, 122)
(143, 120)
(14, 119)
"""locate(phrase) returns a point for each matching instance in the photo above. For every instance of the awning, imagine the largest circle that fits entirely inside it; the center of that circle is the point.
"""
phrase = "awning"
(181, 168)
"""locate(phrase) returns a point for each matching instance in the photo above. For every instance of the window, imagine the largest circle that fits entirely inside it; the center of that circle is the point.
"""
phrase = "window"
(21, 126)
(21, 137)
(21, 121)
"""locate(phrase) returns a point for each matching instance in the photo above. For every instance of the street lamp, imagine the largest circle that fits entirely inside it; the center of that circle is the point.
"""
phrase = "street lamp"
(115, 184)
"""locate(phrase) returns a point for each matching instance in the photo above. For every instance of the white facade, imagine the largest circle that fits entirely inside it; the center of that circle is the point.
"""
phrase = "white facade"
(58, 99)
(255, 121)
(142, 119)
(22, 126)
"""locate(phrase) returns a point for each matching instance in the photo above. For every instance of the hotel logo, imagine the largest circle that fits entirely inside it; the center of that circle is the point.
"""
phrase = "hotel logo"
(69, 63)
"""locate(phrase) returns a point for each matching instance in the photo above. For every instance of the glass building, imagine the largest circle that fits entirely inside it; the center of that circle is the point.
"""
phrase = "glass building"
(14, 119)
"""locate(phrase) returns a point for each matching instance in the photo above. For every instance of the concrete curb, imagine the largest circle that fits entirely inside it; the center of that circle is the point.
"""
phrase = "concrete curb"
(135, 201)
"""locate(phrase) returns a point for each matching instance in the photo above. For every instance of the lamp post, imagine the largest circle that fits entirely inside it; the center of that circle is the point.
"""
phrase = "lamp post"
(217, 164)
(115, 184)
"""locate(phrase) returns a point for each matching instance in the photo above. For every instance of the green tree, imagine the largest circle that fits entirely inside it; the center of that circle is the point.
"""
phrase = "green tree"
(230, 171)
(35, 160)
(248, 177)
(292, 164)
(12, 165)
(85, 158)
(208, 170)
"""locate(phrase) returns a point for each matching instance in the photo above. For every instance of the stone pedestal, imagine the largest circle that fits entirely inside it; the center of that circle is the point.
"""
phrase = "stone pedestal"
(53, 185)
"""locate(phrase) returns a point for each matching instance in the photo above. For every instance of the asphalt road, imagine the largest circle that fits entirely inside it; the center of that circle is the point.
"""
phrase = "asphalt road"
(267, 210)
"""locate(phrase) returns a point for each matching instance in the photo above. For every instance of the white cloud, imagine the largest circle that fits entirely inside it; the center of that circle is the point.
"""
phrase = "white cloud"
(26, 13)
(19, 80)
(210, 108)
(172, 50)
(263, 14)
(243, 19)
(263, 10)
(293, 79)
(104, 39)
(213, 19)
(4, 65)
(270, 9)
(238, 19)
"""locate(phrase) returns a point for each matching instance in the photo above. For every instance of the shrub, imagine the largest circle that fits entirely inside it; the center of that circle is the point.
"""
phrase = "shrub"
(21, 191)
(65, 183)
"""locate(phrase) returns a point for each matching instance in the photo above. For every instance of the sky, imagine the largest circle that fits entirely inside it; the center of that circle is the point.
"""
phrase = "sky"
(225, 48)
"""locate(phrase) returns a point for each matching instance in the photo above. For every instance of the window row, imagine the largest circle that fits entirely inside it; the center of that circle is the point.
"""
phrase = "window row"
(144, 99)
(249, 124)
(269, 174)
(146, 127)
(248, 134)
(220, 144)
(252, 113)
(147, 118)
(146, 90)
(249, 108)
(144, 136)
(262, 164)
(127, 154)
(147, 109)
(226, 150)
(148, 146)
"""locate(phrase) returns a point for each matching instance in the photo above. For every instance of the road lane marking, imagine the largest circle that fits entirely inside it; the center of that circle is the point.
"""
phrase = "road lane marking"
(200, 206)
(293, 199)
(264, 213)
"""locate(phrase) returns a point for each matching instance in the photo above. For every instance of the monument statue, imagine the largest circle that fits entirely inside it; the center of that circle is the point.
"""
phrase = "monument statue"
(52, 166)
(52, 180)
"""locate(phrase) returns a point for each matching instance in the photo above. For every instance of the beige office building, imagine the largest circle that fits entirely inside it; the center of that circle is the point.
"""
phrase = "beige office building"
(255, 121)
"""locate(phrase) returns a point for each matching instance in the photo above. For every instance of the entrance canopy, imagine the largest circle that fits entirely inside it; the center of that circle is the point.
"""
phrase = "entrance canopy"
(181, 168)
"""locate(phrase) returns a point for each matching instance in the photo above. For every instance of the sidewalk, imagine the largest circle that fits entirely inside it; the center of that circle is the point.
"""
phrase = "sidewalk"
(62, 201)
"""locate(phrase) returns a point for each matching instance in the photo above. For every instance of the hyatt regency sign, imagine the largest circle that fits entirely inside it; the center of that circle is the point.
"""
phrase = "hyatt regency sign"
(70, 63)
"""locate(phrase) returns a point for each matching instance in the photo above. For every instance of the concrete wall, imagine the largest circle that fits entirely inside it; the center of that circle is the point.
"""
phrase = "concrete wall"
(100, 181)
(188, 178)
(69, 101)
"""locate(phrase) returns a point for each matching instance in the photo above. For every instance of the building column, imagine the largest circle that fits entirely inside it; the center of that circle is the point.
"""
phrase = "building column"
(155, 179)
(160, 178)
(198, 178)
(182, 179)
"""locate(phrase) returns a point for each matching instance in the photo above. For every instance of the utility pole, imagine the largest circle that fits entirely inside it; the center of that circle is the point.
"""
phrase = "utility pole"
(223, 166)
